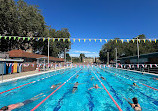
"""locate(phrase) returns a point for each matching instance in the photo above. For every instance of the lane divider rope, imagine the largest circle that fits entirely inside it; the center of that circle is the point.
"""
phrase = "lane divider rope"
(108, 93)
(53, 92)
(27, 83)
(134, 81)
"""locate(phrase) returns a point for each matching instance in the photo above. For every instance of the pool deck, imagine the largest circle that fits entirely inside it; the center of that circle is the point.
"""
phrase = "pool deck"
(16, 76)
(138, 71)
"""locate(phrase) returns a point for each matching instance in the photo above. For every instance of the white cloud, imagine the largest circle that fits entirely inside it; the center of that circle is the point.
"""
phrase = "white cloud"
(85, 52)
(87, 55)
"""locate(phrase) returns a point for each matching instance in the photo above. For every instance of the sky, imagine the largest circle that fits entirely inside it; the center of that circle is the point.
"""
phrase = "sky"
(100, 19)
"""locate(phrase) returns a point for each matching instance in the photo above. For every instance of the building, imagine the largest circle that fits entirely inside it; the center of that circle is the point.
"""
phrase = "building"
(88, 60)
(31, 57)
(150, 58)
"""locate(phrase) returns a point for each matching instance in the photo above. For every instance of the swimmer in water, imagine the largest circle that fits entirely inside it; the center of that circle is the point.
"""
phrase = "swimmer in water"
(56, 85)
(92, 78)
(135, 105)
(155, 78)
(115, 75)
(103, 78)
(96, 87)
(77, 76)
(75, 87)
(135, 85)
(18, 105)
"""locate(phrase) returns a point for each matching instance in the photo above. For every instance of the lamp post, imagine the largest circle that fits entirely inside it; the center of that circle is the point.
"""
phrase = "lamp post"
(137, 49)
(48, 53)
(65, 54)
(116, 57)
(108, 57)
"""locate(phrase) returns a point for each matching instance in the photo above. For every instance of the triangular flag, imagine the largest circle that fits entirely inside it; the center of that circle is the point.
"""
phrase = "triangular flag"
(48, 39)
(79, 40)
(144, 40)
(111, 39)
(5, 37)
(69, 40)
(95, 40)
(53, 39)
(58, 39)
(122, 40)
(28, 38)
(19, 38)
(133, 40)
(155, 40)
(38, 38)
(63, 40)
(150, 40)
(43, 39)
(74, 40)
(10, 38)
(14, 38)
(100, 40)
(128, 40)
(84, 40)
(0, 37)
(23, 38)
(139, 40)
(116, 41)
(89, 40)
(106, 40)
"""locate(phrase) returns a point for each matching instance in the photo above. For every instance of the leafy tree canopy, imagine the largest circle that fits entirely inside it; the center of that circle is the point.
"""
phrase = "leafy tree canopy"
(126, 49)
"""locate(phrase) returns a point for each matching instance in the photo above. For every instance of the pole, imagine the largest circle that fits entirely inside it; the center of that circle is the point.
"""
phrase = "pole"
(138, 50)
(48, 53)
(116, 57)
(108, 57)
(65, 55)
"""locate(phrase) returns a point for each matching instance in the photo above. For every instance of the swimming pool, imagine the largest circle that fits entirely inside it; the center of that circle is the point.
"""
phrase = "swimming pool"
(119, 86)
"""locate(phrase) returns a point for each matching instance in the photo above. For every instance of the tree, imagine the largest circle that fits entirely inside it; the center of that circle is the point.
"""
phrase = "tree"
(68, 58)
(81, 57)
(126, 48)
(20, 19)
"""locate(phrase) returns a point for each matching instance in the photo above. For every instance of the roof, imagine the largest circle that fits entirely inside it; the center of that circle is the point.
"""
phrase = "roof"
(154, 54)
(23, 54)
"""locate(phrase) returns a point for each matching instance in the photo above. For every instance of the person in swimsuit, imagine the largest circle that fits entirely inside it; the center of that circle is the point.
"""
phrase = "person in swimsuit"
(75, 87)
(103, 78)
(77, 76)
(155, 78)
(96, 87)
(56, 85)
(135, 85)
(92, 78)
(135, 104)
(18, 105)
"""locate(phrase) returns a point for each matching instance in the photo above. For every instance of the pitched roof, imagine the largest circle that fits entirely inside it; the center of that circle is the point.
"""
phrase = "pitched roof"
(21, 53)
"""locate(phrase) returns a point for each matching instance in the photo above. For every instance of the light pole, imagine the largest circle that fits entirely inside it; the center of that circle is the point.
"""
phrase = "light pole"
(116, 57)
(48, 53)
(138, 49)
(65, 55)
(108, 57)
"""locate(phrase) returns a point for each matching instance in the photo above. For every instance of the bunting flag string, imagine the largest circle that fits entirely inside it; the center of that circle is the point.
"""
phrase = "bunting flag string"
(74, 39)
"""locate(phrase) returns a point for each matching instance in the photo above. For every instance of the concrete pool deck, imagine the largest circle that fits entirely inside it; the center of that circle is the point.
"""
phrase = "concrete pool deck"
(16, 76)
(138, 71)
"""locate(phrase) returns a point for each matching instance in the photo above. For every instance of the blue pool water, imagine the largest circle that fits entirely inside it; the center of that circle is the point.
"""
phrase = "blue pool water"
(119, 86)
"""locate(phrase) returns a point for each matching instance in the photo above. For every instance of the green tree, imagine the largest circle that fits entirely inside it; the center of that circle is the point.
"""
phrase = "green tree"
(126, 48)
(81, 57)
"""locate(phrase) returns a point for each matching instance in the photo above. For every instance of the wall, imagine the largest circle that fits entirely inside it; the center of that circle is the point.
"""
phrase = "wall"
(26, 68)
